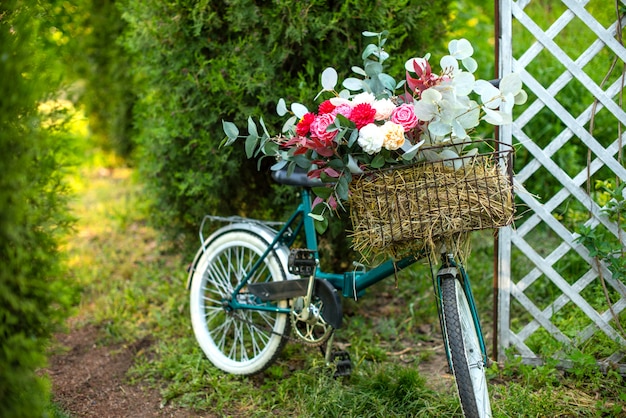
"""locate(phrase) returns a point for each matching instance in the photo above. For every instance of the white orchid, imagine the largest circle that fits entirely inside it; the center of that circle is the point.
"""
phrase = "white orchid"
(444, 103)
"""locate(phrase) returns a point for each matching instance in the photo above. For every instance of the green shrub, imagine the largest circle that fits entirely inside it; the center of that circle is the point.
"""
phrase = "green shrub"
(196, 63)
(33, 213)
(96, 68)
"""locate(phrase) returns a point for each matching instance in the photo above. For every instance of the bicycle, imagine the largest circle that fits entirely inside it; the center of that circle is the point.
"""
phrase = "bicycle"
(249, 288)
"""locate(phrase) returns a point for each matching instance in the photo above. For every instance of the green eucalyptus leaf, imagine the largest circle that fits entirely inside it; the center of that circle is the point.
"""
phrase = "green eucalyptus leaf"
(302, 162)
(345, 94)
(270, 148)
(279, 165)
(299, 110)
(230, 129)
(354, 136)
(369, 50)
(262, 123)
(281, 107)
(289, 123)
(353, 84)
(252, 127)
(369, 34)
(358, 70)
(329, 79)
(373, 85)
(387, 81)
(373, 68)
(291, 168)
(251, 144)
(340, 134)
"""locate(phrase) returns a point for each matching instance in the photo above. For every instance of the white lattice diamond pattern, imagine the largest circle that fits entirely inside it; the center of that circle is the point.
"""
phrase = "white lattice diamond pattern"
(551, 98)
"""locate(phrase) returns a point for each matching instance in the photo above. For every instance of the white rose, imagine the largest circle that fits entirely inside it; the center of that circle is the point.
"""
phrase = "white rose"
(384, 108)
(371, 138)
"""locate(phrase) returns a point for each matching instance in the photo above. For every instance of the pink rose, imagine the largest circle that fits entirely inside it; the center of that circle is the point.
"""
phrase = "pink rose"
(404, 115)
(319, 126)
(343, 109)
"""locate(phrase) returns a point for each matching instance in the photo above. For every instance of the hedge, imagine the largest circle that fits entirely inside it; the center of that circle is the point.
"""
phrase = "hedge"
(33, 212)
(198, 62)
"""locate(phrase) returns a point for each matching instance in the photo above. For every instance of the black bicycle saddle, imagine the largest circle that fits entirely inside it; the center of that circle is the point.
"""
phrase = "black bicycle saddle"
(297, 178)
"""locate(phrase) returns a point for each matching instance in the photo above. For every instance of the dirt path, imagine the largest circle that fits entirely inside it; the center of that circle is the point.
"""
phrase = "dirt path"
(89, 381)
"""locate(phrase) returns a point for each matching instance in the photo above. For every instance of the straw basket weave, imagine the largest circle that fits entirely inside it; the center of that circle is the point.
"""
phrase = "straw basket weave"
(421, 206)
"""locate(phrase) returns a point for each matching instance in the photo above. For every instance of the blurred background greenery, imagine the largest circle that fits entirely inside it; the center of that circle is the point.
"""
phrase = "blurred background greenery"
(139, 88)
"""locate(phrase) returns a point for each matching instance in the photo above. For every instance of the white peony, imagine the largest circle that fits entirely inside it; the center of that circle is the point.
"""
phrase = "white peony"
(371, 138)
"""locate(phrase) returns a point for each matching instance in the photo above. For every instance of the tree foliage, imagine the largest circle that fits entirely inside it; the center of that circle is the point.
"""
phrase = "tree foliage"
(33, 213)
(198, 62)
(96, 68)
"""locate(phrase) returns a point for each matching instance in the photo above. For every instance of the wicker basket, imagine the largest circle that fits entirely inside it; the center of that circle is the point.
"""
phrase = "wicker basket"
(420, 206)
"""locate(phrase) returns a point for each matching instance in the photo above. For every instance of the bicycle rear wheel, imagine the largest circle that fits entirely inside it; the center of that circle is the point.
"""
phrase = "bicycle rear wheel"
(465, 354)
(242, 341)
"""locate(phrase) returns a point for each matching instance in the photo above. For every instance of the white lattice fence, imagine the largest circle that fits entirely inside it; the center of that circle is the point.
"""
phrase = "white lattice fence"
(552, 293)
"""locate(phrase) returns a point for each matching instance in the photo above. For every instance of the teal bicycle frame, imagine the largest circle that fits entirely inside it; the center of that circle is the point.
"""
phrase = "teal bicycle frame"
(351, 284)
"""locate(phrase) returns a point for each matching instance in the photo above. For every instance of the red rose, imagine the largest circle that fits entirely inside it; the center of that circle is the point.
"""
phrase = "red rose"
(304, 126)
(362, 114)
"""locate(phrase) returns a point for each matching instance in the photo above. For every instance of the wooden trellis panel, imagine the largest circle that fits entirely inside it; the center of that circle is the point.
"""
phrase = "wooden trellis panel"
(538, 252)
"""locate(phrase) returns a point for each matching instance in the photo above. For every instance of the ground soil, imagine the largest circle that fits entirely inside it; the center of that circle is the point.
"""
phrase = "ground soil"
(89, 380)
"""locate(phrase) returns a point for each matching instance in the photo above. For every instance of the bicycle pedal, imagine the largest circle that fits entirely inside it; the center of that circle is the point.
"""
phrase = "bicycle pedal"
(342, 362)
(302, 262)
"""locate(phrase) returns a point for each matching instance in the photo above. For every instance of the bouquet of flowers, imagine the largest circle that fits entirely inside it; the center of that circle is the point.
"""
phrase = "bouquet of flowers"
(371, 122)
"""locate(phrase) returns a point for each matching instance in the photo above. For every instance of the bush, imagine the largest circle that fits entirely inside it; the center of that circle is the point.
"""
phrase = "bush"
(96, 66)
(33, 213)
(196, 63)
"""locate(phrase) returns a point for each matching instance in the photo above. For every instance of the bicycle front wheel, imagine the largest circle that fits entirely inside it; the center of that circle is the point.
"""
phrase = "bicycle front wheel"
(242, 341)
(465, 354)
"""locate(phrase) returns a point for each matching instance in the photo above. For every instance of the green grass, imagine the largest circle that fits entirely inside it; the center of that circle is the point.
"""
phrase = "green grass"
(133, 288)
